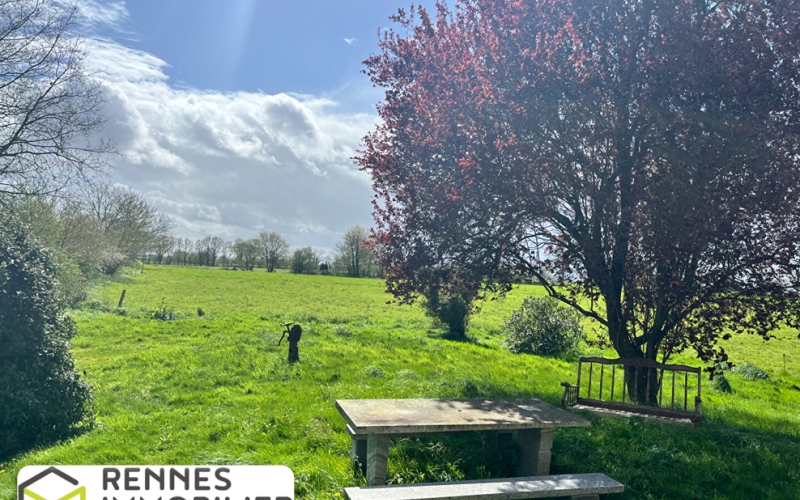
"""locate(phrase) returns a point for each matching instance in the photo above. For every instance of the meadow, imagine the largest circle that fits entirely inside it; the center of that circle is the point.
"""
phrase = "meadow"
(188, 372)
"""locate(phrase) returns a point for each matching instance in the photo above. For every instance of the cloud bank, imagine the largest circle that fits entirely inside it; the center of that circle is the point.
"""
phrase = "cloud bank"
(228, 164)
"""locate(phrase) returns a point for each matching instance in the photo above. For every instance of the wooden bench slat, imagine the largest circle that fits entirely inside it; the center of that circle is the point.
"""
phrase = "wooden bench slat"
(641, 363)
(642, 409)
(494, 489)
(622, 414)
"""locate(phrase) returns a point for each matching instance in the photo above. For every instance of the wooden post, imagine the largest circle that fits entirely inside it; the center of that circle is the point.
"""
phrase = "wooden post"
(121, 298)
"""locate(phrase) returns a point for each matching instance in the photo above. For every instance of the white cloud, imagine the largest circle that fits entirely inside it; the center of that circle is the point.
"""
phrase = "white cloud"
(230, 164)
(96, 16)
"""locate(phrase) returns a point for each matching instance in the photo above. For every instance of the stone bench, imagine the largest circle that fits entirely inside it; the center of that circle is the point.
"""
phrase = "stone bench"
(574, 486)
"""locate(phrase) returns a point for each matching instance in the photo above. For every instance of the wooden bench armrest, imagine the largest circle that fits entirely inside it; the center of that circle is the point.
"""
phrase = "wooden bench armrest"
(697, 402)
(570, 396)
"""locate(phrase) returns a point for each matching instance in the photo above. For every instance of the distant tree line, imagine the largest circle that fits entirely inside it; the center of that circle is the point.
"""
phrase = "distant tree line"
(269, 250)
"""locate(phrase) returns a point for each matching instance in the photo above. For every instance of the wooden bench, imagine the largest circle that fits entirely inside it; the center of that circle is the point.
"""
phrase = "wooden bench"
(574, 486)
(639, 393)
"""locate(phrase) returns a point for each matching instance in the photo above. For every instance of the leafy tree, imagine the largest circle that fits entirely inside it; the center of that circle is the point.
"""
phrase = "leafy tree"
(130, 223)
(203, 249)
(208, 249)
(352, 253)
(51, 223)
(49, 105)
(273, 247)
(42, 396)
(246, 252)
(184, 246)
(637, 158)
(305, 260)
(216, 247)
(450, 308)
(163, 245)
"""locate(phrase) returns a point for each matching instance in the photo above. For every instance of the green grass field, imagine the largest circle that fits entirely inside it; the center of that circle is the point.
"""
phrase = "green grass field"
(215, 389)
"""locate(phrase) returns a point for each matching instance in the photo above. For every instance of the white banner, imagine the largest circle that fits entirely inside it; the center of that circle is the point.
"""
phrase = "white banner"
(155, 482)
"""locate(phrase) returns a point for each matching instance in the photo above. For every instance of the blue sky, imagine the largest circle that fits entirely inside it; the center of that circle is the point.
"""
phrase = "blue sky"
(313, 47)
(239, 116)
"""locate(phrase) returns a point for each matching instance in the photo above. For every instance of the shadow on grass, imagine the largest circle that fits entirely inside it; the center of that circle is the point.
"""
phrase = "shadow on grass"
(656, 460)
(452, 337)
(8, 455)
(719, 460)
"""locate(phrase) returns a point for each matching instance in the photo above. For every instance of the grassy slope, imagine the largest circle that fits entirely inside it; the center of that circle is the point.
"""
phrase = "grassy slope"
(216, 389)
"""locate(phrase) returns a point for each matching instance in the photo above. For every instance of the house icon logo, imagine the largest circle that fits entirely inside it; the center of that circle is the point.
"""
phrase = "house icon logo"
(51, 484)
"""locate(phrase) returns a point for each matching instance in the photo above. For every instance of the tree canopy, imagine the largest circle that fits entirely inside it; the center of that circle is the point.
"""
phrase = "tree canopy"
(50, 107)
(637, 158)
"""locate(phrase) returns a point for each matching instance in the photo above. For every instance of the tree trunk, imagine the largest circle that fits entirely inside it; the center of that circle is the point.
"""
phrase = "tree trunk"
(642, 385)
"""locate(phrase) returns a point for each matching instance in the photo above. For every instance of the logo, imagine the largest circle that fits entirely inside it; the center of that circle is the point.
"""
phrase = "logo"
(155, 482)
(51, 484)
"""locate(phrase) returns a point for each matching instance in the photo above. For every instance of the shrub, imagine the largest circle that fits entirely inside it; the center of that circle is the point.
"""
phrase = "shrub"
(721, 383)
(72, 283)
(42, 396)
(543, 326)
(163, 313)
(342, 331)
(374, 371)
(304, 260)
(112, 262)
(449, 310)
(92, 305)
(200, 312)
(750, 372)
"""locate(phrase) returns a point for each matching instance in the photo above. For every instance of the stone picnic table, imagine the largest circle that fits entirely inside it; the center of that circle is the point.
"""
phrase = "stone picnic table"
(371, 423)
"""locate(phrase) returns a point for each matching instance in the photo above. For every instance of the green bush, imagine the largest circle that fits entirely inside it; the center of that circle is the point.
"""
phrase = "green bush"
(72, 283)
(112, 262)
(304, 260)
(374, 371)
(543, 326)
(163, 313)
(721, 383)
(449, 311)
(42, 396)
(342, 331)
(750, 372)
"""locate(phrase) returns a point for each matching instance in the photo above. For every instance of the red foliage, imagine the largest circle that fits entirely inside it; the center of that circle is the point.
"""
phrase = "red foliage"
(638, 158)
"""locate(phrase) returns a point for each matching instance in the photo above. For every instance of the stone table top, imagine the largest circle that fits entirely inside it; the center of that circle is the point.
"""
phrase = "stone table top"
(420, 416)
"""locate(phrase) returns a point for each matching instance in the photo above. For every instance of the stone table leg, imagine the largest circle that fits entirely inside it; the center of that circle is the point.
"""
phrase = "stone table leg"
(534, 448)
(358, 454)
(377, 458)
